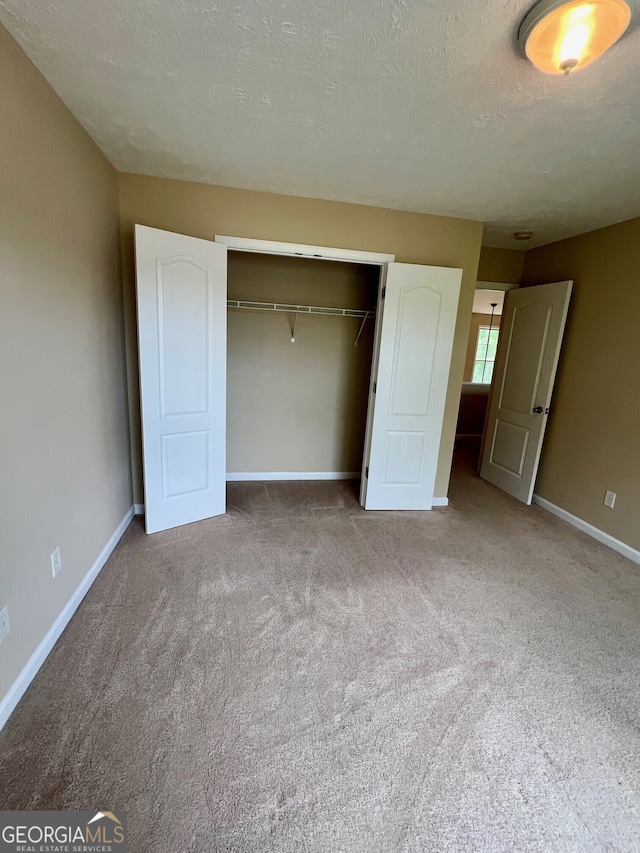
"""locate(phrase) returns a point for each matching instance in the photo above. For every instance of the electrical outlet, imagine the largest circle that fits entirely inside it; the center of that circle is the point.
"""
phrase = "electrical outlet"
(609, 499)
(4, 622)
(56, 561)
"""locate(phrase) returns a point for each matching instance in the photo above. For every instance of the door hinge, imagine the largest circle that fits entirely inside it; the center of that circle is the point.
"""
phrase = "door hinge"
(375, 387)
(366, 472)
(384, 292)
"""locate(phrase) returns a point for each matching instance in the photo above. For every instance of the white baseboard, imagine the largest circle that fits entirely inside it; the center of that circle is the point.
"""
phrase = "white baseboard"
(293, 475)
(138, 509)
(595, 532)
(36, 660)
(440, 502)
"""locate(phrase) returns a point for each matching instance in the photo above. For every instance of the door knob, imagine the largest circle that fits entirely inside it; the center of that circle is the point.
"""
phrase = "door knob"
(537, 410)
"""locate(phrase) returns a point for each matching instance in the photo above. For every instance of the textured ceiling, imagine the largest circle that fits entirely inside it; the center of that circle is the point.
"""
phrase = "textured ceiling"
(421, 105)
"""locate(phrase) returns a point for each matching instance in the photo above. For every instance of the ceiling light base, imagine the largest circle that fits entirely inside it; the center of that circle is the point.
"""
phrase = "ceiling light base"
(558, 36)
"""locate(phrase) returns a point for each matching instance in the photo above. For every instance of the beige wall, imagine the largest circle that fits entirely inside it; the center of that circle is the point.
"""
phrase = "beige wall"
(477, 320)
(503, 265)
(202, 210)
(297, 406)
(593, 438)
(65, 477)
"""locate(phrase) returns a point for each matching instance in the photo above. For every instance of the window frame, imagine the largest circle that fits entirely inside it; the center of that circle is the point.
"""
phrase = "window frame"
(485, 361)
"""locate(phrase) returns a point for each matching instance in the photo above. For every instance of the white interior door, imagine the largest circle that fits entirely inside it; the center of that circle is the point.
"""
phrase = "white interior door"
(182, 338)
(533, 322)
(409, 385)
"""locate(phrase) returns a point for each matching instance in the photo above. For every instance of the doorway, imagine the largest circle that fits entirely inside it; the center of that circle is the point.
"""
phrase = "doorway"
(300, 338)
(484, 333)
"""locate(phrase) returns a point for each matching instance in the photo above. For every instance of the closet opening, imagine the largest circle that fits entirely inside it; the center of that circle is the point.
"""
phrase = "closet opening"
(300, 345)
(338, 395)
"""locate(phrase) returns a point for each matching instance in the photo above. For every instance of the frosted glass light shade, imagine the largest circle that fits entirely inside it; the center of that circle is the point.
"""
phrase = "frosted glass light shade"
(559, 36)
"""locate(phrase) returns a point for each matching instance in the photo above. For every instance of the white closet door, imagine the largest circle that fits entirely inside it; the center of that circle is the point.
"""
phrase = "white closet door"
(410, 386)
(182, 337)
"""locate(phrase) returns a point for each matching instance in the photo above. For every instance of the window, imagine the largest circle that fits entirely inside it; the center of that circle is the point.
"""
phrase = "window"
(485, 355)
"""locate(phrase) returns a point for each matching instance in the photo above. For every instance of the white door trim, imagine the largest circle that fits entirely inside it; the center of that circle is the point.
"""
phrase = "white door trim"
(322, 253)
(495, 285)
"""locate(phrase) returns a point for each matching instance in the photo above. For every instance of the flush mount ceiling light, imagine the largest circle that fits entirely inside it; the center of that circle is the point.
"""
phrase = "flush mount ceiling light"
(558, 36)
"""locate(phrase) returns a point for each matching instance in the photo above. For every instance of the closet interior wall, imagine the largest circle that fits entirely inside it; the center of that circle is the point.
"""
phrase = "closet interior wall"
(297, 407)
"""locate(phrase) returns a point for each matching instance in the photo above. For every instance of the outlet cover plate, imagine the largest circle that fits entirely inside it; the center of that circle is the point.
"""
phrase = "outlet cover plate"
(56, 561)
(4, 622)
(609, 499)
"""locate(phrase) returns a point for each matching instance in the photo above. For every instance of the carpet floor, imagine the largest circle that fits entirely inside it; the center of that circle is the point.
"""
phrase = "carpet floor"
(301, 675)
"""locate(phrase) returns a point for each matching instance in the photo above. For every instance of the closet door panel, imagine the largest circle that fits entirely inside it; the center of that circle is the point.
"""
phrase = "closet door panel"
(416, 339)
(181, 286)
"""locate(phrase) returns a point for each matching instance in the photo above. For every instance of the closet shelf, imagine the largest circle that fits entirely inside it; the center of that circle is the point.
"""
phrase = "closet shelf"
(299, 309)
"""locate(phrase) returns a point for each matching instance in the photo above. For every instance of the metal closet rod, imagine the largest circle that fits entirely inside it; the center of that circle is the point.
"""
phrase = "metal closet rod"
(304, 309)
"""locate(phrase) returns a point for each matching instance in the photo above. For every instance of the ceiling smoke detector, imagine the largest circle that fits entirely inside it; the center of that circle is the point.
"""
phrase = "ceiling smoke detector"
(560, 35)
(523, 235)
